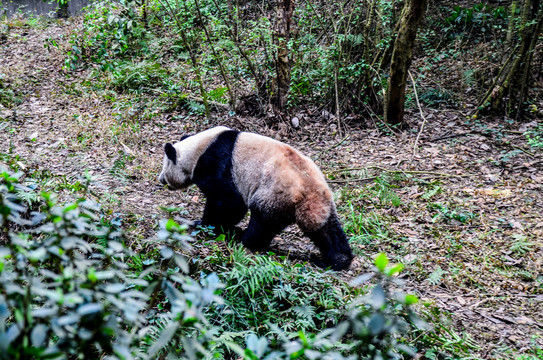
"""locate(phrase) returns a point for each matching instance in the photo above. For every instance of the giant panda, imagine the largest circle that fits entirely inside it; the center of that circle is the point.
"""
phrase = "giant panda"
(241, 171)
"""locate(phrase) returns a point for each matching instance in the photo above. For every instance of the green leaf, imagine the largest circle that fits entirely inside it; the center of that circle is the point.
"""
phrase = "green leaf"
(38, 335)
(252, 341)
(378, 297)
(38, 254)
(90, 308)
(166, 252)
(171, 225)
(359, 280)
(69, 208)
(92, 275)
(411, 299)
(114, 288)
(381, 262)
(406, 350)
(165, 337)
(234, 347)
(395, 269)
(376, 324)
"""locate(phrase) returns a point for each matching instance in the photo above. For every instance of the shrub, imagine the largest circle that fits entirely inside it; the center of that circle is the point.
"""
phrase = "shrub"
(535, 137)
(65, 288)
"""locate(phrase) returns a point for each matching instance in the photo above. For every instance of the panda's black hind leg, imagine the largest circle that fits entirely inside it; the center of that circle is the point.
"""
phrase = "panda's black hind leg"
(333, 244)
(261, 230)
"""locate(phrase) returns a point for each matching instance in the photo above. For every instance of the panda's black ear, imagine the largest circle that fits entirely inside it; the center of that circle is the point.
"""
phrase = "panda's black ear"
(170, 152)
(184, 137)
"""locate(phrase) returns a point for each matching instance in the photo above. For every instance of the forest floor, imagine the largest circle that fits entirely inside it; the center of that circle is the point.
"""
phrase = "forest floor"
(461, 209)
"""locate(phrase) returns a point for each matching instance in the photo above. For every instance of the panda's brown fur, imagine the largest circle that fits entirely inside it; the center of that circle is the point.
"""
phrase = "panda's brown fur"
(238, 171)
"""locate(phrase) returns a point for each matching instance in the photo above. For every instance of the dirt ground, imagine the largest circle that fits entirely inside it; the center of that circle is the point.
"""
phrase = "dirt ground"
(485, 272)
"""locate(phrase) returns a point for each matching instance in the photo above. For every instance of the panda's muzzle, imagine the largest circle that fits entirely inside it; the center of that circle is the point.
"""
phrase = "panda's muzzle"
(163, 182)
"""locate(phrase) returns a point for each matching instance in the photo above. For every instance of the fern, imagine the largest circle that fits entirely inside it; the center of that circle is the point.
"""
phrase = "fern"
(157, 325)
(239, 256)
(258, 274)
(29, 197)
(436, 276)
(305, 315)
(386, 195)
(521, 245)
(283, 291)
(431, 193)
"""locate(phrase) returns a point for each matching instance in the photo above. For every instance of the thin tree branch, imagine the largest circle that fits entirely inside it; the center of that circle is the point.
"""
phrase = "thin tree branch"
(421, 115)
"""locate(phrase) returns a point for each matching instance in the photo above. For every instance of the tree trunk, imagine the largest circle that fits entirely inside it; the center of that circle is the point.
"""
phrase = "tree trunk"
(144, 15)
(402, 55)
(62, 11)
(510, 88)
(285, 10)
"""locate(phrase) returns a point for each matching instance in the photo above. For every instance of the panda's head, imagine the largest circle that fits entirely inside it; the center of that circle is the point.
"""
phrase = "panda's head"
(181, 158)
(176, 173)
(173, 173)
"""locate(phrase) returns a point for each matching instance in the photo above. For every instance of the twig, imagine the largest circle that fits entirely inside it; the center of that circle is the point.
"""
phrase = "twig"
(333, 147)
(531, 164)
(210, 102)
(402, 171)
(407, 172)
(513, 132)
(391, 171)
(337, 101)
(126, 149)
(429, 173)
(219, 60)
(421, 115)
(351, 180)
(523, 150)
(197, 99)
(348, 169)
(450, 136)
(194, 61)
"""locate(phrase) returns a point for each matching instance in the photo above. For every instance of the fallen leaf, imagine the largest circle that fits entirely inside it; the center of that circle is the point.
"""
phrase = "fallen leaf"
(515, 224)
(497, 193)
(524, 320)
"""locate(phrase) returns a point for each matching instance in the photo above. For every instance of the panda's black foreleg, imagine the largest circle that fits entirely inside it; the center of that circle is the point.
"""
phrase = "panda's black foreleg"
(224, 215)
(261, 230)
(333, 244)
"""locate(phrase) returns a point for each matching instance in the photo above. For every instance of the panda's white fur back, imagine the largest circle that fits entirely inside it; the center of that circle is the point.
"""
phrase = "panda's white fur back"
(264, 168)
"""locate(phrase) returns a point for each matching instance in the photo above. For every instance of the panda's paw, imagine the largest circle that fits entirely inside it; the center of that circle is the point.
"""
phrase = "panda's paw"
(337, 263)
(320, 263)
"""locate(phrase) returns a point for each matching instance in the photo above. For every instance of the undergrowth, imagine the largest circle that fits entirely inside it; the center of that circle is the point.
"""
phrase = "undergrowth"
(70, 288)
(364, 221)
(278, 290)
